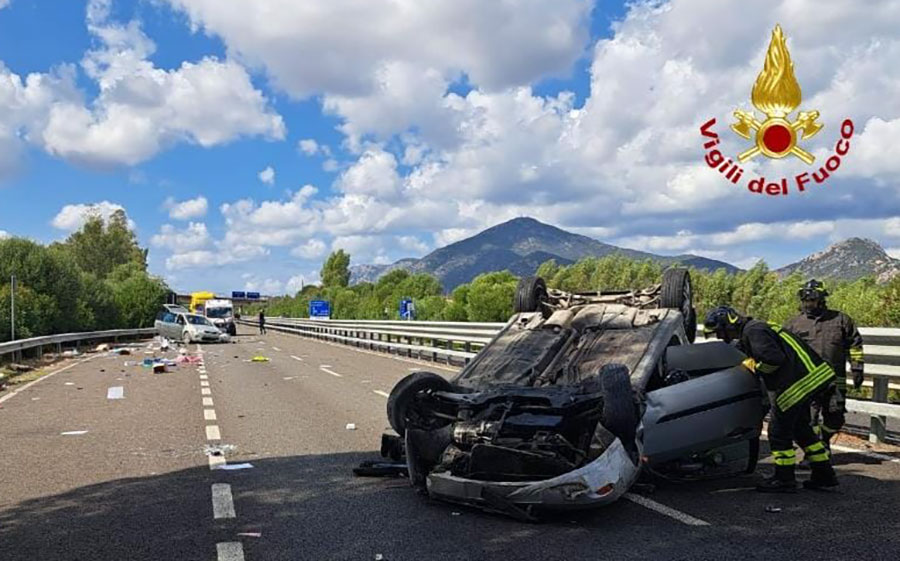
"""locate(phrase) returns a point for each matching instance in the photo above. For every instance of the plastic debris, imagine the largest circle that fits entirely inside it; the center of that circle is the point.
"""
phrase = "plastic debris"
(70, 353)
(379, 557)
(121, 351)
(351, 426)
(159, 368)
(20, 367)
(773, 509)
(102, 347)
(250, 534)
(73, 432)
(70, 383)
(218, 449)
(188, 359)
(259, 358)
(163, 344)
(458, 513)
(233, 467)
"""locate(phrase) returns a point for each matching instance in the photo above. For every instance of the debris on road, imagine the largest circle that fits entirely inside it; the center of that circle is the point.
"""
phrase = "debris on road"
(188, 359)
(234, 467)
(69, 384)
(217, 449)
(351, 426)
(102, 347)
(159, 368)
(773, 509)
(379, 557)
(120, 351)
(73, 432)
(250, 534)
(20, 367)
(115, 392)
(259, 358)
(70, 353)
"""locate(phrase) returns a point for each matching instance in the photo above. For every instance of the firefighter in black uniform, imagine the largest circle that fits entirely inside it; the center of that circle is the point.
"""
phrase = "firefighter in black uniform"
(793, 374)
(834, 336)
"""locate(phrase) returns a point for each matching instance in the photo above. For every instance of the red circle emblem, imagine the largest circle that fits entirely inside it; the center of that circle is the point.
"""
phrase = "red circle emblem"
(777, 138)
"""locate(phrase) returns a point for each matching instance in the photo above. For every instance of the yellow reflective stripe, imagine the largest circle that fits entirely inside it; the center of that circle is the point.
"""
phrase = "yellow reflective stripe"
(766, 368)
(856, 354)
(786, 461)
(815, 447)
(807, 362)
(784, 453)
(804, 386)
(800, 389)
(829, 430)
(814, 458)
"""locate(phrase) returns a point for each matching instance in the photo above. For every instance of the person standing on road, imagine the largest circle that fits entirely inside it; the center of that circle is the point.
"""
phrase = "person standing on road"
(262, 322)
(793, 374)
(835, 337)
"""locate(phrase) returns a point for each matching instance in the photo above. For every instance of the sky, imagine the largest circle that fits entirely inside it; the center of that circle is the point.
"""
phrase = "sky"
(247, 140)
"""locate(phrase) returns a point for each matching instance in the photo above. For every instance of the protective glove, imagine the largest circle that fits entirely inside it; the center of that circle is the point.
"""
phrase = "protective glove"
(750, 364)
(857, 376)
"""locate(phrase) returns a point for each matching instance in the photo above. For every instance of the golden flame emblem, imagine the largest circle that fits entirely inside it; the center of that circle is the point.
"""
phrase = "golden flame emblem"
(777, 94)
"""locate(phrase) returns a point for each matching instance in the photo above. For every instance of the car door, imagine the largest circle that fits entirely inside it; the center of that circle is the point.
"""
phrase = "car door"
(719, 402)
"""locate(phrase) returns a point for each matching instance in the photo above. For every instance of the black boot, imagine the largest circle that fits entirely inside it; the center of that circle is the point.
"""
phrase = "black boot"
(782, 482)
(822, 477)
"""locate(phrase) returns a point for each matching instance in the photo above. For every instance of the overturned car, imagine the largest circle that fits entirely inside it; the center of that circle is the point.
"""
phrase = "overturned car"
(574, 398)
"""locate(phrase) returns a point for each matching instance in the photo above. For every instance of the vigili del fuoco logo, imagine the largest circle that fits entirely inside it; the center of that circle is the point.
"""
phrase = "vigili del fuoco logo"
(776, 94)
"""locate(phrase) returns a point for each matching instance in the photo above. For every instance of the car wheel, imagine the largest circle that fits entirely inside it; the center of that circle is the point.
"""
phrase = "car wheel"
(678, 294)
(401, 406)
(620, 415)
(232, 330)
(530, 293)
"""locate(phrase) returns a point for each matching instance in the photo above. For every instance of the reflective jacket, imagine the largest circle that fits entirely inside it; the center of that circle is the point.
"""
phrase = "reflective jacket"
(788, 366)
(834, 336)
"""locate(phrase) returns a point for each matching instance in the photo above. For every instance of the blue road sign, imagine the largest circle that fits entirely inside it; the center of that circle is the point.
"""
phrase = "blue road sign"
(407, 309)
(319, 309)
(253, 296)
(238, 294)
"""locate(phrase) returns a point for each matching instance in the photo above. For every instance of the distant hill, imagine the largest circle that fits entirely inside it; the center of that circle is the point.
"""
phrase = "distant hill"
(850, 259)
(520, 246)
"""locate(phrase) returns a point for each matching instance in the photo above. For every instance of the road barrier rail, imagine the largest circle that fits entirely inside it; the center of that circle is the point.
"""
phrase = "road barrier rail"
(458, 342)
(17, 347)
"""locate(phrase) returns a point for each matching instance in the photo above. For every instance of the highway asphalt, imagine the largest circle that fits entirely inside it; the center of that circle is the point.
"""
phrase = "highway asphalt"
(87, 477)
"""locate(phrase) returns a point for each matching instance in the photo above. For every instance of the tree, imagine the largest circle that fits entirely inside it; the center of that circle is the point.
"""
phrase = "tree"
(336, 270)
(99, 246)
(490, 297)
(137, 295)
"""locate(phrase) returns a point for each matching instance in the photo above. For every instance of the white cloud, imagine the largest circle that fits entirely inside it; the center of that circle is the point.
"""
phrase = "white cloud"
(893, 252)
(267, 176)
(192, 238)
(4, 234)
(224, 255)
(4, 3)
(266, 287)
(73, 217)
(297, 282)
(312, 249)
(185, 210)
(139, 110)
(375, 173)
(308, 146)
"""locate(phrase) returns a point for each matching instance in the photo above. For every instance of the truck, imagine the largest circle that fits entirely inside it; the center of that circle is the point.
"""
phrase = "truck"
(221, 313)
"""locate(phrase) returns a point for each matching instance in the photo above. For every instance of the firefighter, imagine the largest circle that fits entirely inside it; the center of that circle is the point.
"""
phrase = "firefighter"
(834, 336)
(793, 374)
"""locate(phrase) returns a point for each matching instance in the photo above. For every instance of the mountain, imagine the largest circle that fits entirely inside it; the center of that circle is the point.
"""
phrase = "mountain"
(520, 246)
(847, 260)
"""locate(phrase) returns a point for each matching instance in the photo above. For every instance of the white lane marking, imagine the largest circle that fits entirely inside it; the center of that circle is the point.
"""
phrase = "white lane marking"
(209, 414)
(204, 377)
(381, 393)
(212, 432)
(223, 503)
(325, 365)
(115, 392)
(204, 383)
(205, 391)
(207, 402)
(332, 372)
(296, 358)
(276, 349)
(288, 378)
(230, 551)
(54, 373)
(663, 509)
(73, 432)
(216, 461)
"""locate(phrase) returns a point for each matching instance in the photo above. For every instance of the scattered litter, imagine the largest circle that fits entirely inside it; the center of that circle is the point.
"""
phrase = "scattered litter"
(773, 509)
(121, 351)
(351, 426)
(163, 344)
(159, 368)
(147, 363)
(73, 432)
(148, 352)
(288, 378)
(70, 353)
(250, 534)
(232, 467)
(188, 359)
(69, 383)
(35, 398)
(102, 370)
(102, 347)
(259, 358)
(20, 367)
(115, 392)
(455, 514)
(217, 449)
(379, 557)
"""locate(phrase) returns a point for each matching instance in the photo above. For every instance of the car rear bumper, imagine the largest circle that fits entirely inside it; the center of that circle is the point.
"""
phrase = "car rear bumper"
(598, 483)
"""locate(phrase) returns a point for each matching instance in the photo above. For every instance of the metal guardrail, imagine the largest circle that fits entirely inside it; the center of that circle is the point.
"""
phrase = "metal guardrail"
(16, 347)
(460, 341)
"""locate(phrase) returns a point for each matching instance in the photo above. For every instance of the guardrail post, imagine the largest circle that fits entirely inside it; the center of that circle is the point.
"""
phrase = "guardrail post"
(878, 424)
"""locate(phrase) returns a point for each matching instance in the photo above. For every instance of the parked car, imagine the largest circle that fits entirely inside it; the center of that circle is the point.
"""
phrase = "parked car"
(177, 324)
(574, 398)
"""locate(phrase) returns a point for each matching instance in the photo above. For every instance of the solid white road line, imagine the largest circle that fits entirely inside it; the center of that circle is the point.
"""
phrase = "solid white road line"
(222, 502)
(204, 383)
(230, 551)
(115, 392)
(332, 372)
(212, 432)
(205, 391)
(29, 384)
(296, 358)
(381, 393)
(207, 402)
(209, 414)
(276, 349)
(663, 509)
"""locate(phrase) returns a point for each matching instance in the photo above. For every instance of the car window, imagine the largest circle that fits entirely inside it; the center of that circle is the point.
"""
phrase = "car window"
(168, 317)
(180, 320)
(198, 320)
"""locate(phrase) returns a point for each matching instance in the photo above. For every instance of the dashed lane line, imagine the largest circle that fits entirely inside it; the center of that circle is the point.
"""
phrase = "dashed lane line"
(276, 349)
(209, 414)
(381, 393)
(230, 551)
(207, 402)
(204, 383)
(222, 501)
(205, 391)
(204, 377)
(212, 432)
(665, 510)
(215, 462)
(54, 373)
(297, 358)
(329, 371)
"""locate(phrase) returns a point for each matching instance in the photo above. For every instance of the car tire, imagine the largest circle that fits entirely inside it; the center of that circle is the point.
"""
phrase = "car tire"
(620, 414)
(232, 330)
(531, 292)
(677, 293)
(404, 393)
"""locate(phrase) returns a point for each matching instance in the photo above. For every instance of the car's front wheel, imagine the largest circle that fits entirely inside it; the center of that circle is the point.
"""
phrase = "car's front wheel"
(402, 408)
(620, 414)
(531, 293)
(677, 293)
